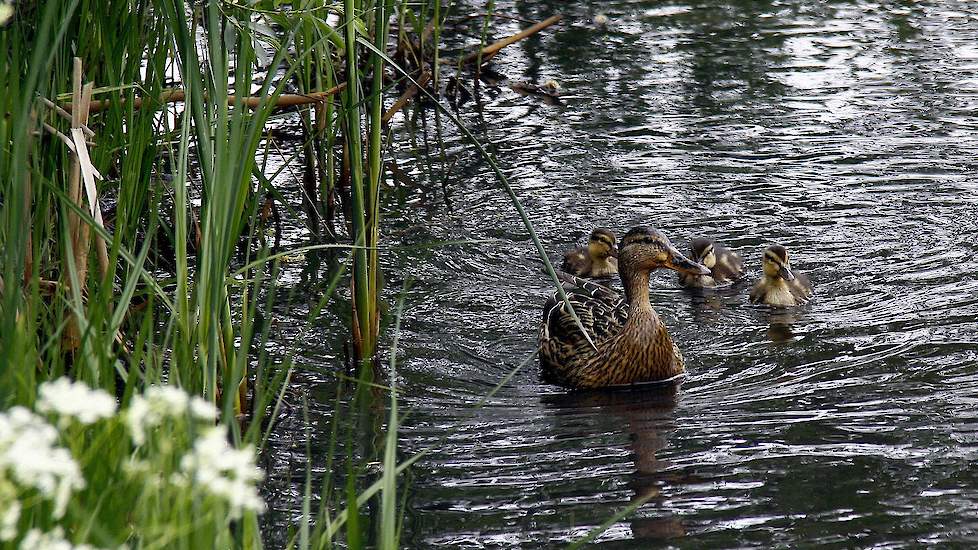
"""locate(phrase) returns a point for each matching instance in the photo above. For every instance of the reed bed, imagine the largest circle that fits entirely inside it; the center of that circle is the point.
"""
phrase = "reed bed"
(135, 214)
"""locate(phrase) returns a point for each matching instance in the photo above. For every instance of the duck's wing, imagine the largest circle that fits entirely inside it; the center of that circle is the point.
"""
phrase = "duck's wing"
(757, 293)
(577, 262)
(602, 312)
(801, 287)
(729, 266)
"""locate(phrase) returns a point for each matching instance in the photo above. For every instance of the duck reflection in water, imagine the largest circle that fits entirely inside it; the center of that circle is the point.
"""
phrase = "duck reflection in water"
(645, 413)
(780, 321)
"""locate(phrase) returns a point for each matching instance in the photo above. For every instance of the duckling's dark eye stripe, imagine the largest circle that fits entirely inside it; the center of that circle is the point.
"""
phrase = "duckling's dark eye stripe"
(773, 258)
(605, 239)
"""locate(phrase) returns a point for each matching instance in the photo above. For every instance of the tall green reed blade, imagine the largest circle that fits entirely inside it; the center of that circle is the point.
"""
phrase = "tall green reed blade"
(505, 183)
(375, 161)
(388, 502)
(363, 303)
(25, 76)
(227, 138)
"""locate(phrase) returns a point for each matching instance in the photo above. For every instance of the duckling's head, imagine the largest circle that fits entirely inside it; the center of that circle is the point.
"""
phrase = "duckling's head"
(602, 244)
(644, 248)
(776, 263)
(701, 250)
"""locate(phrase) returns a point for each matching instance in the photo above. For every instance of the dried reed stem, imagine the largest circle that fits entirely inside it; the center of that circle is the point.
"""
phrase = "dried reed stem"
(493, 48)
(176, 96)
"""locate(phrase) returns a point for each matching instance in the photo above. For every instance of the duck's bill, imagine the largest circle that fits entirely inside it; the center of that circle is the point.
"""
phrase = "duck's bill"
(683, 264)
(786, 273)
(614, 251)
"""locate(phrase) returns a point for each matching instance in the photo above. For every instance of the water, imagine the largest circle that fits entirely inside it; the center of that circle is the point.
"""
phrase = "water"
(843, 130)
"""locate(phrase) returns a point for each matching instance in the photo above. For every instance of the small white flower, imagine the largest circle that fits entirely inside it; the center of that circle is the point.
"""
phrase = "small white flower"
(6, 12)
(52, 540)
(75, 400)
(225, 472)
(161, 403)
(29, 453)
(203, 409)
(9, 519)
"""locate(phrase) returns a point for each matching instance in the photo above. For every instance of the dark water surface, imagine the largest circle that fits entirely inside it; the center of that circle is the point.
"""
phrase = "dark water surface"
(843, 130)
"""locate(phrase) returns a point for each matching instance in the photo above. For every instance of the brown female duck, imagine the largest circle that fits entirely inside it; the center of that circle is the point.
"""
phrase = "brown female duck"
(597, 259)
(780, 286)
(725, 265)
(631, 344)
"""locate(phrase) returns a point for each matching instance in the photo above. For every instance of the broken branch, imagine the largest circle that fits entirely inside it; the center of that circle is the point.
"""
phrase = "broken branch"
(491, 49)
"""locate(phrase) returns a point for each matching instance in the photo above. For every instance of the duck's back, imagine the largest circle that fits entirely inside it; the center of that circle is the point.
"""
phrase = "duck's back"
(602, 312)
(568, 359)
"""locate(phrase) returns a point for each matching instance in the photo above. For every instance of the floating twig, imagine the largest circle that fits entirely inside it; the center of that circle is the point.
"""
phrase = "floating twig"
(493, 48)
(405, 97)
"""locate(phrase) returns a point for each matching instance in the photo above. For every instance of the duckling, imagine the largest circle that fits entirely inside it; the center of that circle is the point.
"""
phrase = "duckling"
(780, 286)
(598, 259)
(725, 265)
(631, 344)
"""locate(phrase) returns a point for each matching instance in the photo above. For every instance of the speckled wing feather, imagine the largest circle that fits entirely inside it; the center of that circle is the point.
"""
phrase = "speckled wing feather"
(602, 311)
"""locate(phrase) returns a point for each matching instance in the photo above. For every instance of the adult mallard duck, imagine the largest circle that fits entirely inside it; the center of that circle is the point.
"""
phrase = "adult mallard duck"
(780, 286)
(725, 265)
(595, 260)
(631, 344)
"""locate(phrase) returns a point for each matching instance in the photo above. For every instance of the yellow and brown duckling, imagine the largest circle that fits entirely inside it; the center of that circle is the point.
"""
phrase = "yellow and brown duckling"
(780, 286)
(631, 344)
(725, 265)
(597, 259)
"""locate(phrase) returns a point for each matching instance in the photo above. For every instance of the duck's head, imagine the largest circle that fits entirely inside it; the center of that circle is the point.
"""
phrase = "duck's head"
(701, 251)
(602, 245)
(776, 262)
(644, 248)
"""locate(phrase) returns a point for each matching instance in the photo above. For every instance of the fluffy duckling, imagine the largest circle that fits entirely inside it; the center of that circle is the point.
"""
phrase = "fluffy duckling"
(780, 286)
(598, 259)
(725, 265)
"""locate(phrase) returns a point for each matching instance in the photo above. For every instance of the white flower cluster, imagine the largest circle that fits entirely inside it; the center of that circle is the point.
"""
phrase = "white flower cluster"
(9, 515)
(75, 400)
(30, 456)
(161, 403)
(52, 540)
(225, 472)
(6, 12)
(213, 464)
